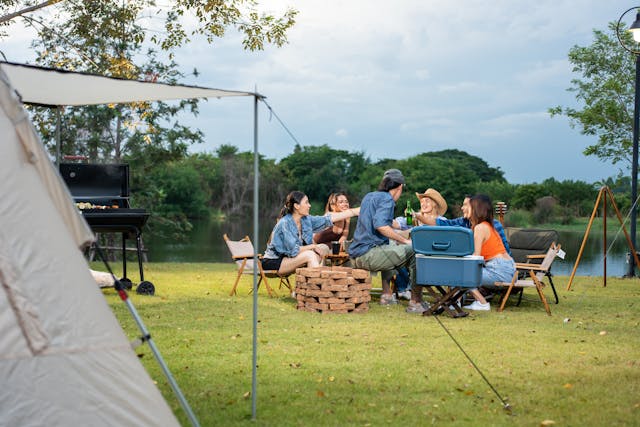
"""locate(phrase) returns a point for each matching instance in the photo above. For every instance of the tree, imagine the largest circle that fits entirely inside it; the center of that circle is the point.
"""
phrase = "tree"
(499, 191)
(320, 170)
(453, 173)
(526, 195)
(24, 8)
(213, 18)
(574, 196)
(119, 39)
(605, 91)
(480, 168)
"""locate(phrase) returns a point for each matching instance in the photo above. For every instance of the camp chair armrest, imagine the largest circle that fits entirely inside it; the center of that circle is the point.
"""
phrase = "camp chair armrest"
(525, 266)
(536, 256)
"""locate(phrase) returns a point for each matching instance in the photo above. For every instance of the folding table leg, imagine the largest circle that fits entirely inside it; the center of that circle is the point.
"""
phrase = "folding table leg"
(443, 299)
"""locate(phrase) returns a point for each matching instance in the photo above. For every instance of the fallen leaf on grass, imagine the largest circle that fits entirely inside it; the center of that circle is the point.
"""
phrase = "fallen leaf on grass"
(547, 423)
(246, 395)
(603, 332)
(332, 378)
(568, 385)
(320, 393)
(294, 365)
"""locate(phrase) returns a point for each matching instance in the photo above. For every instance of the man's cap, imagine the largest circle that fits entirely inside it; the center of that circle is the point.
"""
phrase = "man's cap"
(394, 175)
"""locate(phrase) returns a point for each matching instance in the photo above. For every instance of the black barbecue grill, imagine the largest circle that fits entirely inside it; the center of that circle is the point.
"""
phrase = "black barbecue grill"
(102, 194)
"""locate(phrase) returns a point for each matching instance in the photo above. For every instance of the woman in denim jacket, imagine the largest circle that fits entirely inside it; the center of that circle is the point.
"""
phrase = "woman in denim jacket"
(291, 243)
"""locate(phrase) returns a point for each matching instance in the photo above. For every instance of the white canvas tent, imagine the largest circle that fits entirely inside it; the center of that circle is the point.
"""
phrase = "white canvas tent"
(52, 87)
(64, 360)
(73, 318)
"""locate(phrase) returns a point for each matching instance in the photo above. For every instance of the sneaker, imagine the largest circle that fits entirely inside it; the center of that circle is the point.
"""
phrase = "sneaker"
(478, 306)
(388, 299)
(405, 295)
(417, 307)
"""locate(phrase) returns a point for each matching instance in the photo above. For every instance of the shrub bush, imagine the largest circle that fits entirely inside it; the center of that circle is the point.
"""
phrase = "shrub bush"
(518, 218)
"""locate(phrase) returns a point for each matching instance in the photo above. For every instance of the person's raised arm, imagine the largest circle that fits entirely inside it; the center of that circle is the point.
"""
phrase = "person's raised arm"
(388, 231)
(345, 233)
(339, 216)
(426, 218)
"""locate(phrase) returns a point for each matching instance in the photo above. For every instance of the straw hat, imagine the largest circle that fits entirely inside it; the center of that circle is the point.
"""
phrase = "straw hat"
(436, 197)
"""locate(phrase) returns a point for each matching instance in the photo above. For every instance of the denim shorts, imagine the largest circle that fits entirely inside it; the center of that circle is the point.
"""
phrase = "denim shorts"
(498, 270)
(271, 263)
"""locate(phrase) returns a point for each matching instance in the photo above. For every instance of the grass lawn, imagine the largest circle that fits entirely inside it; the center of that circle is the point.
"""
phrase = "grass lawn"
(579, 367)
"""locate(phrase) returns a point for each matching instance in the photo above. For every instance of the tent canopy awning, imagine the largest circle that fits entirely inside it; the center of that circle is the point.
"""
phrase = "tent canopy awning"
(50, 87)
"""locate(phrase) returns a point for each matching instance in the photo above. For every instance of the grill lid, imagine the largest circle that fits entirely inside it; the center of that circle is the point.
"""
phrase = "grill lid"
(93, 181)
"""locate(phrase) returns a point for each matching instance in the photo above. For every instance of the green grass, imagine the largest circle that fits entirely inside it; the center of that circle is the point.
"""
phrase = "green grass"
(387, 367)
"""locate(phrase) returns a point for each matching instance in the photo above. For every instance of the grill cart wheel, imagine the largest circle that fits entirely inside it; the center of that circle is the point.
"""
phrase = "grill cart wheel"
(126, 283)
(145, 288)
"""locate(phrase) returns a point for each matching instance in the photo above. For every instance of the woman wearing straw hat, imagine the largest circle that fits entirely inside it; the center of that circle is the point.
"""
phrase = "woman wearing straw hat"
(432, 206)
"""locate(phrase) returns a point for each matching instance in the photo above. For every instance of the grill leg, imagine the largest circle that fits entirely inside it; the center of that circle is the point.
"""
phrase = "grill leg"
(124, 255)
(139, 249)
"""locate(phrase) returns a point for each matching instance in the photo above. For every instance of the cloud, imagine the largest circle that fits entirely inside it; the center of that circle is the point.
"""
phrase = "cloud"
(458, 87)
(427, 75)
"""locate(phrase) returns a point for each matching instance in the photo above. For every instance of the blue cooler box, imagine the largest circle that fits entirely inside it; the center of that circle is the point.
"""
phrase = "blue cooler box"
(443, 257)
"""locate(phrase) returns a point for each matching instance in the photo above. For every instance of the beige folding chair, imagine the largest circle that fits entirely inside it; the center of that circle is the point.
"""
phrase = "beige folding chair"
(242, 252)
(534, 274)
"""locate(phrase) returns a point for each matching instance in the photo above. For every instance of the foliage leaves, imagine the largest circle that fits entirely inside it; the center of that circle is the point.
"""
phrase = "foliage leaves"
(605, 92)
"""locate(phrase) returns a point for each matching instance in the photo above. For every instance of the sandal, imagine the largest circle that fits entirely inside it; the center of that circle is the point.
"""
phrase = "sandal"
(417, 307)
(388, 299)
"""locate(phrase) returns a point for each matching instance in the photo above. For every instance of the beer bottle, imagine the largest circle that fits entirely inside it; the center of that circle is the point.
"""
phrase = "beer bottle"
(408, 214)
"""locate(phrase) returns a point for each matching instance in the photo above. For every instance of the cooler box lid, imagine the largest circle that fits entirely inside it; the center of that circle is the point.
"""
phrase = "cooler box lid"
(442, 240)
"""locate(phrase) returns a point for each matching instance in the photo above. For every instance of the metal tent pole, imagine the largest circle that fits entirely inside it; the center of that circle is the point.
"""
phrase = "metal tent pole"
(156, 353)
(256, 182)
(58, 142)
(146, 337)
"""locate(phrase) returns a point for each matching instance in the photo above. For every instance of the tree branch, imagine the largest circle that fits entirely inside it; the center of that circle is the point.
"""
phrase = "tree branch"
(10, 16)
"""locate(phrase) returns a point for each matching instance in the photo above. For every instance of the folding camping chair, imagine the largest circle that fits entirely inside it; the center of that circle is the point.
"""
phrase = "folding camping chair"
(535, 274)
(242, 252)
(529, 245)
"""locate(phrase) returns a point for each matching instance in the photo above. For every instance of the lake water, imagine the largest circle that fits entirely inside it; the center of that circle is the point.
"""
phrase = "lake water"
(205, 244)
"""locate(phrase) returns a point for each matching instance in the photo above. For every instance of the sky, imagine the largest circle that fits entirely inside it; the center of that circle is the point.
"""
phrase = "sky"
(395, 79)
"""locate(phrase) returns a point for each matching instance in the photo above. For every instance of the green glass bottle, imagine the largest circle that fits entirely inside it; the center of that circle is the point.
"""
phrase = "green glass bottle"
(408, 214)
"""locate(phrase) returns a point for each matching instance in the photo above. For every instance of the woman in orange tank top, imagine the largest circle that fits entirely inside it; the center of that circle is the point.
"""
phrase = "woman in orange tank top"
(498, 265)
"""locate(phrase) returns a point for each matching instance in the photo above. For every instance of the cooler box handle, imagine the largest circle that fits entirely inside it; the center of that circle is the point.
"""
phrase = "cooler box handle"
(441, 246)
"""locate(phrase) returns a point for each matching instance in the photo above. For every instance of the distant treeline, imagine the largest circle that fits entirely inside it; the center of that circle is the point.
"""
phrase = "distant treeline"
(199, 185)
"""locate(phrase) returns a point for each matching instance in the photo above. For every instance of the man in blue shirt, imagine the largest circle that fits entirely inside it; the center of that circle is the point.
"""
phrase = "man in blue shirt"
(370, 249)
